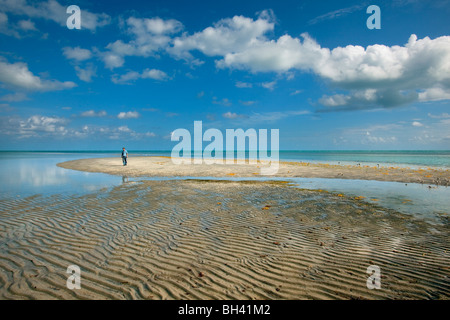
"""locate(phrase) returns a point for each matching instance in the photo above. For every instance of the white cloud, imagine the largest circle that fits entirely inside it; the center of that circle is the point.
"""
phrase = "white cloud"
(149, 36)
(440, 116)
(417, 124)
(275, 115)
(17, 75)
(226, 36)
(3, 19)
(224, 102)
(92, 113)
(87, 73)
(42, 125)
(14, 97)
(27, 25)
(247, 103)
(77, 53)
(241, 84)
(378, 134)
(154, 74)
(269, 85)
(296, 92)
(393, 75)
(126, 78)
(155, 26)
(264, 117)
(146, 74)
(6, 28)
(112, 60)
(232, 115)
(113, 133)
(128, 115)
(52, 10)
(434, 94)
(336, 14)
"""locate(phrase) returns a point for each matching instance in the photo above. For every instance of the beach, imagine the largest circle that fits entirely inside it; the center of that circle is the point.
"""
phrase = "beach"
(164, 166)
(208, 239)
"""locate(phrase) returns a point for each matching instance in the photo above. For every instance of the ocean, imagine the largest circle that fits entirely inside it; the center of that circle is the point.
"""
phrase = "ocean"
(412, 158)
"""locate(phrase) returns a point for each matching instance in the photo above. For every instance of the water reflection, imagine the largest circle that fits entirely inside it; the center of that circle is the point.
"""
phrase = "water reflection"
(38, 176)
(25, 174)
(29, 174)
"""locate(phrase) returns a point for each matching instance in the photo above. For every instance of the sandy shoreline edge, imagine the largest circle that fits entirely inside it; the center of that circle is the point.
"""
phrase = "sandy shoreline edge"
(152, 166)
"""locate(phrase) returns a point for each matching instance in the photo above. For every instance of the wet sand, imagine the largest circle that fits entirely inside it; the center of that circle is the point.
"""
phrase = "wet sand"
(216, 240)
(163, 166)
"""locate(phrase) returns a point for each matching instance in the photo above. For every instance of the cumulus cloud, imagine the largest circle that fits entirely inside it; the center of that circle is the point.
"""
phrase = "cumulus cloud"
(128, 115)
(241, 84)
(224, 102)
(154, 74)
(54, 11)
(232, 115)
(17, 76)
(130, 76)
(41, 126)
(377, 76)
(77, 53)
(373, 76)
(149, 36)
(18, 30)
(87, 73)
(3, 19)
(226, 36)
(92, 113)
(112, 60)
(434, 94)
(26, 25)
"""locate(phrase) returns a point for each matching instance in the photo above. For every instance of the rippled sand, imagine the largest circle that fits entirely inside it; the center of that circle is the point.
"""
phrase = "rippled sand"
(217, 240)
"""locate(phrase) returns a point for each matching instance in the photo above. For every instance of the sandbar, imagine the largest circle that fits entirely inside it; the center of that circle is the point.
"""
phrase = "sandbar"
(164, 167)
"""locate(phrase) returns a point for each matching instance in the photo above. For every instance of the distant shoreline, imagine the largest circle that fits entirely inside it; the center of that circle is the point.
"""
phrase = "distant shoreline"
(157, 166)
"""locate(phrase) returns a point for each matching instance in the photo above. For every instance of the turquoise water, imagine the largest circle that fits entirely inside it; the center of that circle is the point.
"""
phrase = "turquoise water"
(413, 159)
(440, 159)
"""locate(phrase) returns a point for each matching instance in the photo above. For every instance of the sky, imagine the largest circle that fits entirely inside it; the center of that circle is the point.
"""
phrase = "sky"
(138, 70)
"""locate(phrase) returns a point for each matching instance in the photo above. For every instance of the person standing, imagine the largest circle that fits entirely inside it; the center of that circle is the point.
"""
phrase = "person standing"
(124, 156)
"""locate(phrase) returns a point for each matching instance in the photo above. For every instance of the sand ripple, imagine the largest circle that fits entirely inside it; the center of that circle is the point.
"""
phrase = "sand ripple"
(216, 240)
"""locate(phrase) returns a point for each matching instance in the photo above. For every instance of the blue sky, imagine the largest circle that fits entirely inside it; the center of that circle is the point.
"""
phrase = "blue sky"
(138, 70)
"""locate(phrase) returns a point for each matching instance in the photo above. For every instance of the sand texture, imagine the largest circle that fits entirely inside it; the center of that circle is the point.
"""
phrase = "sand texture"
(216, 240)
(163, 166)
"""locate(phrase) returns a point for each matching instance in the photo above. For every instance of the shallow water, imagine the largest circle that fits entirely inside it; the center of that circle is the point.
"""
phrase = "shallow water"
(26, 174)
(418, 200)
